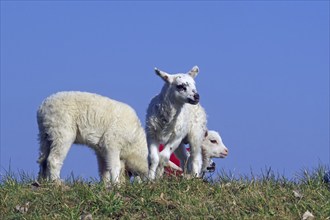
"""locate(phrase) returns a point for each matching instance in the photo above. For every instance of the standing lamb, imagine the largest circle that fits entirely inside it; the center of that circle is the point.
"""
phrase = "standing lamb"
(173, 117)
(111, 128)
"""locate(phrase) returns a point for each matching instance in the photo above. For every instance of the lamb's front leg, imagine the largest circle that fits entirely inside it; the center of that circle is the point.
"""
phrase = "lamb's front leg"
(113, 165)
(153, 158)
(104, 174)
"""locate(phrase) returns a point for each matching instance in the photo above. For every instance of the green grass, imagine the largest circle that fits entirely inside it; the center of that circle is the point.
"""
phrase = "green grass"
(265, 197)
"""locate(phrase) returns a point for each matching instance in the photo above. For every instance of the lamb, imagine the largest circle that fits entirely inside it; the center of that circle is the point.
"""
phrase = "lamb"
(175, 117)
(109, 127)
(212, 147)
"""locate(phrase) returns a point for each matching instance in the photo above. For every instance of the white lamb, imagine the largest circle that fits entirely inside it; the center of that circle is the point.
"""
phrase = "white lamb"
(174, 117)
(212, 147)
(111, 128)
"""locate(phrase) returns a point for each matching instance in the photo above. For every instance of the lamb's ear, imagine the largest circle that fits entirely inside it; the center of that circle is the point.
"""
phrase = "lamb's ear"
(194, 71)
(165, 76)
(206, 133)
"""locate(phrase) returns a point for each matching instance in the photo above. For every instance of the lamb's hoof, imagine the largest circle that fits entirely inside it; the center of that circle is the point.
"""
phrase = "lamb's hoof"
(58, 183)
(36, 184)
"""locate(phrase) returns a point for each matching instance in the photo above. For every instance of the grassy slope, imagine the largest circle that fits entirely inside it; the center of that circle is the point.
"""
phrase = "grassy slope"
(257, 198)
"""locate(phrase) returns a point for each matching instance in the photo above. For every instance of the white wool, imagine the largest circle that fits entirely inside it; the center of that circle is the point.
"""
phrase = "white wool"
(111, 128)
(174, 117)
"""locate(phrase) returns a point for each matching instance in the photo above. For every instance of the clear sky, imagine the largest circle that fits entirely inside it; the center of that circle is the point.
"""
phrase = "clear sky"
(264, 72)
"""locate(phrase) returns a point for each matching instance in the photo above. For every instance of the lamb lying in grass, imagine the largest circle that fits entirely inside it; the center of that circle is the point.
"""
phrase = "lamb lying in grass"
(212, 147)
(111, 128)
(174, 116)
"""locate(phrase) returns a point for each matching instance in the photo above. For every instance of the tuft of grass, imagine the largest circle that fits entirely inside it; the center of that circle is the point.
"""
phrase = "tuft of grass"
(225, 197)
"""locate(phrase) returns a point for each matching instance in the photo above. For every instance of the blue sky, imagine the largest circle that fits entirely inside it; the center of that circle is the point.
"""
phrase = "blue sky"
(264, 72)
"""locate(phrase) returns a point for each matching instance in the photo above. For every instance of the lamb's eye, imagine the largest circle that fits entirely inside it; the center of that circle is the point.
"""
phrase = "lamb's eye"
(214, 141)
(181, 87)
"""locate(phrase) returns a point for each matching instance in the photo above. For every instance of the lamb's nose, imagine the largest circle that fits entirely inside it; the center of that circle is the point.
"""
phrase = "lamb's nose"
(196, 96)
(226, 151)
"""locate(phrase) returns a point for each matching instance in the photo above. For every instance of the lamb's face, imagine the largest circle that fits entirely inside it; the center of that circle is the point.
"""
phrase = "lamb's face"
(213, 146)
(182, 85)
(184, 89)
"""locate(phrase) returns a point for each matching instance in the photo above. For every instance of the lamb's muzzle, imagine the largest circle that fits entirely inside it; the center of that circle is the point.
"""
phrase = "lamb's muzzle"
(195, 100)
(224, 153)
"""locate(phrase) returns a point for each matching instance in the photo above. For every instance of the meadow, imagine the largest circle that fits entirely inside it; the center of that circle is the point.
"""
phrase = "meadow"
(267, 196)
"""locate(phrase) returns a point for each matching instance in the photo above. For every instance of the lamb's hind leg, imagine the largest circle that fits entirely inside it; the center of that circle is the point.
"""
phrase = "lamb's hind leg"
(182, 155)
(58, 152)
(43, 155)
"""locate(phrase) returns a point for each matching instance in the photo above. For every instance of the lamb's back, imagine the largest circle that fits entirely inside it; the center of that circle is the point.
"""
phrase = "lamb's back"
(88, 113)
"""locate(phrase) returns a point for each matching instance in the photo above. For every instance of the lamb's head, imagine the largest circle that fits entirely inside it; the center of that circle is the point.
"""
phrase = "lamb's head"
(213, 146)
(181, 86)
